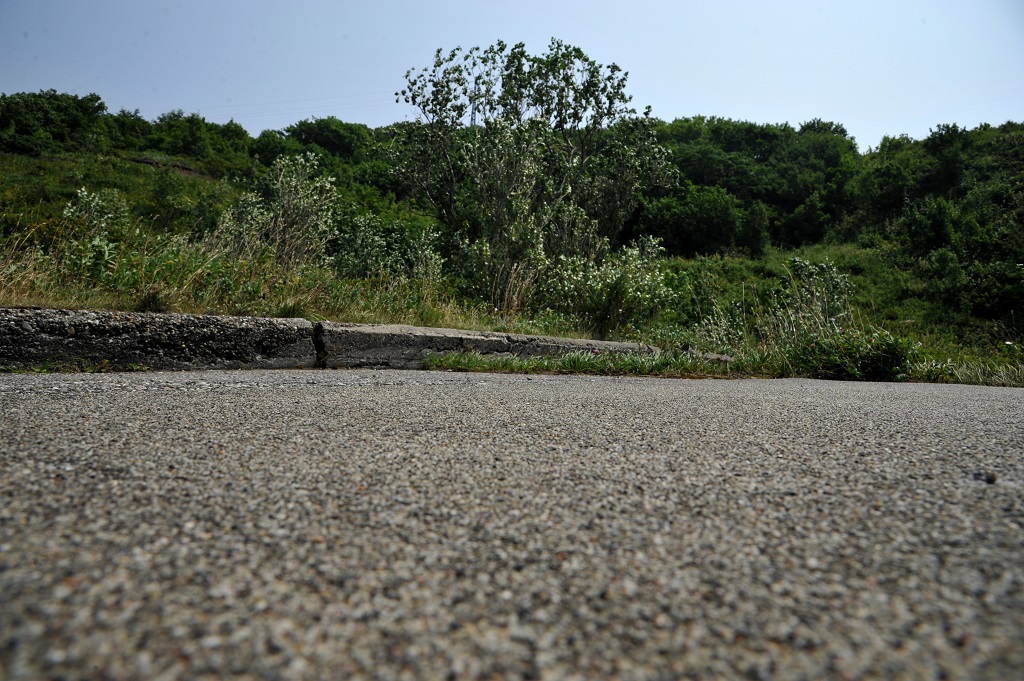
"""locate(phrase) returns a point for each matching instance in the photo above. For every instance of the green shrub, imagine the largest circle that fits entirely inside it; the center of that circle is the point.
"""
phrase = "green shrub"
(854, 355)
(626, 290)
(368, 245)
(290, 216)
(807, 329)
(104, 212)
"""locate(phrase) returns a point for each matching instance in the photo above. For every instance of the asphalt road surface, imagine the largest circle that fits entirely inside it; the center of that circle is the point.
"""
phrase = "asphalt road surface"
(408, 525)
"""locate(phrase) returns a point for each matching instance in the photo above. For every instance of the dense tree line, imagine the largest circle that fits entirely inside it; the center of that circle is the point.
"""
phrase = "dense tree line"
(950, 206)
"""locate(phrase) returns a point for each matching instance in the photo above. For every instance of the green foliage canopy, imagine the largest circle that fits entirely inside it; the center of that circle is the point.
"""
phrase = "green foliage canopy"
(33, 123)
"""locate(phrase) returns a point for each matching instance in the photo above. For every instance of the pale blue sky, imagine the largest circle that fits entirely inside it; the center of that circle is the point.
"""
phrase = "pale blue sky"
(877, 66)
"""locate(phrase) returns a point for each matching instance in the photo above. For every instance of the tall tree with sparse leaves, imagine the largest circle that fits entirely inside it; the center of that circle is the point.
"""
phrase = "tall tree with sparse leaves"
(526, 158)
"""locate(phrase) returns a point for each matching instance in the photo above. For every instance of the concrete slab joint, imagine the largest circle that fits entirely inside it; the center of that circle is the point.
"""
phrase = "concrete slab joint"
(34, 338)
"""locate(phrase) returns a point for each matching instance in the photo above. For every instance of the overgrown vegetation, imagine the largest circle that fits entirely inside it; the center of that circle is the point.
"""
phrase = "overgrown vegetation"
(530, 196)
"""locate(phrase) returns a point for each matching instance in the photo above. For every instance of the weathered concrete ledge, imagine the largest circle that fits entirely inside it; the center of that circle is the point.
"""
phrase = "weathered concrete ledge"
(125, 340)
(405, 347)
(33, 338)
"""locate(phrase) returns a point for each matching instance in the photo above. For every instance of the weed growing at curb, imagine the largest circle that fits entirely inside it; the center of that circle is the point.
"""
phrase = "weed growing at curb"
(607, 364)
(684, 365)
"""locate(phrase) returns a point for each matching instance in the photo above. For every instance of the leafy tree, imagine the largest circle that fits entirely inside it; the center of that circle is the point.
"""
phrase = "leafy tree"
(34, 123)
(272, 144)
(928, 225)
(889, 177)
(230, 137)
(946, 146)
(180, 135)
(808, 223)
(525, 157)
(348, 141)
(736, 155)
(753, 235)
(229, 150)
(996, 230)
(127, 130)
(694, 220)
(792, 184)
(816, 169)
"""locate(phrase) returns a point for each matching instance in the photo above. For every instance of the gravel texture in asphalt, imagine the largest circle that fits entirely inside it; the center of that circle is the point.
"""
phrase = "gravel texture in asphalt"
(393, 525)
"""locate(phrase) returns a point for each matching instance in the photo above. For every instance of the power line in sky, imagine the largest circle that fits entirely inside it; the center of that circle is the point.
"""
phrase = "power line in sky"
(389, 95)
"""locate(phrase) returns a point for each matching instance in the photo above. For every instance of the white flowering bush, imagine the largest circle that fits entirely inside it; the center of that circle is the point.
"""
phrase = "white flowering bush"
(626, 289)
(291, 217)
(369, 245)
(821, 291)
(721, 330)
(104, 212)
(99, 222)
(507, 282)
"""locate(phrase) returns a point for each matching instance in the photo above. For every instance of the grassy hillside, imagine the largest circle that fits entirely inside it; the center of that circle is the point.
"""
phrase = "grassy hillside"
(777, 247)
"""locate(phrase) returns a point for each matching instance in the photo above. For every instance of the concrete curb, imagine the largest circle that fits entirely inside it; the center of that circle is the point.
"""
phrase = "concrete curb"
(67, 339)
(126, 340)
(405, 347)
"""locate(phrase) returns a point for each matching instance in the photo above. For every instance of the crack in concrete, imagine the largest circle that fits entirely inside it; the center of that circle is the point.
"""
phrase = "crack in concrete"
(319, 346)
